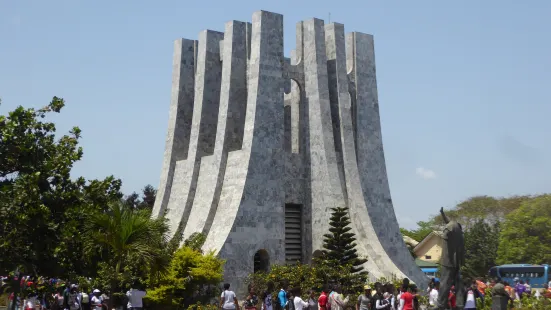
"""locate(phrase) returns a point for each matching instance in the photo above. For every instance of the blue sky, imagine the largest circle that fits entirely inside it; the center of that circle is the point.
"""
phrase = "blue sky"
(463, 85)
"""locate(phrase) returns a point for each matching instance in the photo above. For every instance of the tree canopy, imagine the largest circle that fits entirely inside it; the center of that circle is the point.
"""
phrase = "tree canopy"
(42, 209)
(526, 233)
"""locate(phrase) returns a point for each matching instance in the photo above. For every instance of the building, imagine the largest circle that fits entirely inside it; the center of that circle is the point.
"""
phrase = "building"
(260, 147)
(430, 248)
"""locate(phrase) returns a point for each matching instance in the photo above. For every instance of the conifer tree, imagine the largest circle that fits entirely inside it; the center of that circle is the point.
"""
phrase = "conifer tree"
(339, 244)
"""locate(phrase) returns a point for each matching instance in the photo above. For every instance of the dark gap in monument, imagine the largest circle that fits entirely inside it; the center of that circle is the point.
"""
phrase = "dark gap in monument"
(287, 125)
(293, 233)
(261, 261)
(354, 110)
(334, 103)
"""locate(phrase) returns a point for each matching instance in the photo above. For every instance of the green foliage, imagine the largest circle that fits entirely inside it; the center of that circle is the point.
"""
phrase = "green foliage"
(192, 278)
(131, 238)
(42, 210)
(339, 244)
(481, 243)
(423, 230)
(315, 276)
(492, 210)
(526, 237)
(146, 202)
(195, 241)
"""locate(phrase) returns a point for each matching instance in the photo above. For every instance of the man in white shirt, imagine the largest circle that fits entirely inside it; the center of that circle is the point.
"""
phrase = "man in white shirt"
(97, 300)
(135, 299)
(433, 295)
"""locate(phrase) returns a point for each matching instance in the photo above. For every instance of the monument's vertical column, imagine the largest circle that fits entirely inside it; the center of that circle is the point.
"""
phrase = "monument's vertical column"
(325, 185)
(371, 159)
(179, 122)
(252, 218)
(203, 127)
(229, 135)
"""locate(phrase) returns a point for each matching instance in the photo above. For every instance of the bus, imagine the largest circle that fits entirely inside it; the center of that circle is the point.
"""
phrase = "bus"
(539, 275)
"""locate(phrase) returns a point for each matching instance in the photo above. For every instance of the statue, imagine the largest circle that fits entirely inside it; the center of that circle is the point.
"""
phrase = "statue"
(453, 257)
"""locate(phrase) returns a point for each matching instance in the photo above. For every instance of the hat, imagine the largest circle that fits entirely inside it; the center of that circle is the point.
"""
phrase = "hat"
(95, 291)
(367, 287)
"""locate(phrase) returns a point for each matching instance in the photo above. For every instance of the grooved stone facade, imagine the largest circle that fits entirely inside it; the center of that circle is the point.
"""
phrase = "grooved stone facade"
(260, 147)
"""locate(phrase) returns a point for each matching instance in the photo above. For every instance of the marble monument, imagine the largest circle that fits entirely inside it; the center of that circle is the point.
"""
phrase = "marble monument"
(260, 147)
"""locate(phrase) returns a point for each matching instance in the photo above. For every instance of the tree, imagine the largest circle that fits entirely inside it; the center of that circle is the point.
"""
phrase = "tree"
(147, 200)
(129, 237)
(339, 245)
(481, 243)
(423, 230)
(192, 278)
(42, 209)
(526, 237)
(490, 209)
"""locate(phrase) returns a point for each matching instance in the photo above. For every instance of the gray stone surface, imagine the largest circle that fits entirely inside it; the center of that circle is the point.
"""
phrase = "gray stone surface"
(238, 149)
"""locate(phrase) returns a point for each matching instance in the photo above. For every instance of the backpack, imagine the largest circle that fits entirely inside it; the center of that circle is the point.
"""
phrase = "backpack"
(291, 304)
(85, 298)
(329, 299)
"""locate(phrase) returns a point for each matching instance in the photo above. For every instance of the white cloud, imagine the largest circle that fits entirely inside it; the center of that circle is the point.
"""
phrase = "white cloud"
(426, 174)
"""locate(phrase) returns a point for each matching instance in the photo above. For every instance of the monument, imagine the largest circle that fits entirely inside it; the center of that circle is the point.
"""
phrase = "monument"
(453, 257)
(260, 147)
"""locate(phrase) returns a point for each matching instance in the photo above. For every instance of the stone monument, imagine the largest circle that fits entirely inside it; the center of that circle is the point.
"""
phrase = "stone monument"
(260, 147)
(453, 257)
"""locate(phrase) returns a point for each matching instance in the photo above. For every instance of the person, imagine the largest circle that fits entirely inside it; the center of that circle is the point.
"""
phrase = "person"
(520, 289)
(377, 296)
(72, 298)
(297, 301)
(470, 303)
(323, 300)
(31, 301)
(451, 298)
(97, 300)
(59, 299)
(528, 287)
(383, 303)
(433, 296)
(365, 299)
(135, 299)
(267, 297)
(85, 300)
(406, 299)
(337, 303)
(282, 295)
(228, 300)
(251, 300)
(312, 302)
(481, 287)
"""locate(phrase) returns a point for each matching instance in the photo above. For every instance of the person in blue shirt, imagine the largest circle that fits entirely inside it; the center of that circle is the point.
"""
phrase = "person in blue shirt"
(282, 296)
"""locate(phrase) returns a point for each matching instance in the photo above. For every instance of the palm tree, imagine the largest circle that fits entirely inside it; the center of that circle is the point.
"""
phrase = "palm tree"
(127, 235)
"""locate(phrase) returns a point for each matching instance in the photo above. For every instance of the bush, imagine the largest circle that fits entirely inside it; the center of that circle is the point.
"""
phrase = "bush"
(191, 279)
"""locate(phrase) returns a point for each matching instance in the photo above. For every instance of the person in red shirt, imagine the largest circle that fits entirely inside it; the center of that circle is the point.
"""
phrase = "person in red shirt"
(322, 300)
(452, 299)
(406, 299)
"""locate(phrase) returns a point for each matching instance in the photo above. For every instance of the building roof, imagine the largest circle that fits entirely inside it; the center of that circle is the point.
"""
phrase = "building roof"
(432, 234)
(424, 264)
(410, 241)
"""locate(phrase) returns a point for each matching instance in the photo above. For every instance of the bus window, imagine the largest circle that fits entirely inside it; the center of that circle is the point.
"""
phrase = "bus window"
(493, 272)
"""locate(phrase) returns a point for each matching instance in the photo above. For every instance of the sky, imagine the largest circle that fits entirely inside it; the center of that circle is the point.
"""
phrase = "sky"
(464, 86)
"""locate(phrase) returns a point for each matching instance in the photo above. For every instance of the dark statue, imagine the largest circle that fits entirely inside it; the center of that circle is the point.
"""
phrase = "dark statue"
(453, 257)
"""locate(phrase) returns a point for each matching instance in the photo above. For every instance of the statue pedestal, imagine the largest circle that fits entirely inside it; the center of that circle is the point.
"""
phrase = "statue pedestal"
(499, 302)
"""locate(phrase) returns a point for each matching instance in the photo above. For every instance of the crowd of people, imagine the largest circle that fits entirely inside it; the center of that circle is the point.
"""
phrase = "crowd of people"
(381, 296)
(56, 294)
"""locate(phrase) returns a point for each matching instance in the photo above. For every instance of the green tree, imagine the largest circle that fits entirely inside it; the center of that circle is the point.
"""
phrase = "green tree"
(423, 229)
(481, 243)
(129, 237)
(42, 209)
(193, 277)
(339, 244)
(145, 202)
(490, 209)
(526, 233)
